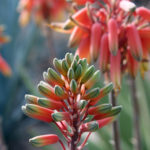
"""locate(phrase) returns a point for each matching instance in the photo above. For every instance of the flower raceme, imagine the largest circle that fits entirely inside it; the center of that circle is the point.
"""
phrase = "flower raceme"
(42, 10)
(70, 102)
(4, 67)
(116, 32)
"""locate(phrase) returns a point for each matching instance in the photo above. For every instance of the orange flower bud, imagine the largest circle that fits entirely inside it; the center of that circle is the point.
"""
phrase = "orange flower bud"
(37, 112)
(113, 36)
(95, 40)
(44, 140)
(105, 121)
(4, 67)
(115, 70)
(104, 53)
(48, 91)
(134, 42)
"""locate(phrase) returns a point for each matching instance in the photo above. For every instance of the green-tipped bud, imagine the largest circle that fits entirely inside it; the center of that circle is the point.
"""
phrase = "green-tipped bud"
(46, 77)
(78, 72)
(91, 82)
(115, 110)
(74, 64)
(77, 57)
(92, 94)
(82, 104)
(65, 66)
(103, 108)
(70, 74)
(31, 99)
(108, 88)
(47, 90)
(58, 65)
(60, 116)
(69, 58)
(73, 86)
(88, 74)
(48, 103)
(44, 88)
(90, 127)
(84, 64)
(54, 77)
(43, 140)
(59, 91)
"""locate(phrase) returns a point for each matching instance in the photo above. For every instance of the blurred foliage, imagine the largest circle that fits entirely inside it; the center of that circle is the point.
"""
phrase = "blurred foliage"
(29, 53)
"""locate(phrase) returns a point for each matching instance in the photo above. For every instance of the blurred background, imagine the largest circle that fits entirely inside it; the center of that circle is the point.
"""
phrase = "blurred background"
(29, 53)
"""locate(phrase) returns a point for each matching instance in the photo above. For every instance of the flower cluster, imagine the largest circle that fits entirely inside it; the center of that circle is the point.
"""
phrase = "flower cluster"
(41, 10)
(71, 102)
(117, 32)
(4, 67)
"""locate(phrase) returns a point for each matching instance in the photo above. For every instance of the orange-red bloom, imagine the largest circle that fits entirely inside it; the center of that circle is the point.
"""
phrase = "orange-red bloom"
(4, 67)
(40, 10)
(125, 29)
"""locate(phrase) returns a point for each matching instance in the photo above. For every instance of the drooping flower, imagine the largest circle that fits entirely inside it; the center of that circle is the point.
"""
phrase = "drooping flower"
(113, 26)
(4, 67)
(70, 101)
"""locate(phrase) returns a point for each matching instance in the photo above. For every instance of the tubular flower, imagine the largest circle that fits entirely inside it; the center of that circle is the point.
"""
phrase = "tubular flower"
(112, 27)
(41, 10)
(70, 101)
(4, 67)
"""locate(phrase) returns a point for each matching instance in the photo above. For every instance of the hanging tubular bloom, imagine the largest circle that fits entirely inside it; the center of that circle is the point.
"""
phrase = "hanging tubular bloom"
(109, 28)
(70, 102)
(4, 67)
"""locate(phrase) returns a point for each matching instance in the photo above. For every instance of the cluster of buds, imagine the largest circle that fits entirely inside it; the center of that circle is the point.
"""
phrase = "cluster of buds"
(41, 10)
(71, 102)
(116, 33)
(4, 67)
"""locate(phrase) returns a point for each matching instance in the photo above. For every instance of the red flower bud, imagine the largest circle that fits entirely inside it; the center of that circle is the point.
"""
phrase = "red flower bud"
(113, 36)
(95, 40)
(104, 53)
(115, 70)
(44, 140)
(134, 42)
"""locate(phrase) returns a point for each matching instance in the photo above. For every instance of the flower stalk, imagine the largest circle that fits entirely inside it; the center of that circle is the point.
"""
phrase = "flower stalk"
(136, 115)
(70, 101)
(116, 132)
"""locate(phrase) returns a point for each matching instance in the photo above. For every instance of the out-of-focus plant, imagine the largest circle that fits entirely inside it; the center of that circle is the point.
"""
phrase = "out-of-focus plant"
(70, 102)
(4, 67)
(40, 10)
